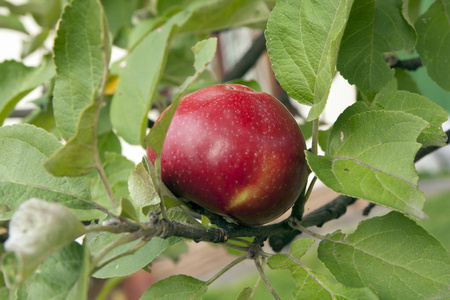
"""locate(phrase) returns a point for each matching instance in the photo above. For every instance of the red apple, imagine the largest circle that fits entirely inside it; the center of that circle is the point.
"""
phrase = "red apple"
(236, 152)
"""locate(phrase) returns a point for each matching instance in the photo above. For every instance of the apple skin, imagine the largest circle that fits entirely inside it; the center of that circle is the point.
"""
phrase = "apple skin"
(236, 152)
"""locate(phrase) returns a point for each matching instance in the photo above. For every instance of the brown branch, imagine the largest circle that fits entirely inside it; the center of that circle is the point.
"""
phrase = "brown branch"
(248, 60)
(411, 64)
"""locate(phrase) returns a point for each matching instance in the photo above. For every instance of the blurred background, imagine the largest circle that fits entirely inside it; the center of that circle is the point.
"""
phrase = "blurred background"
(204, 260)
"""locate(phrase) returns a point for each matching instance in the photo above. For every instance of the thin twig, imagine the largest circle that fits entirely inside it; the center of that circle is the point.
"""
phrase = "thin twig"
(220, 273)
(265, 279)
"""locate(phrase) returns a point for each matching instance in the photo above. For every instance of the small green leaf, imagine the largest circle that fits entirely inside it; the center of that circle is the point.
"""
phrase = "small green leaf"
(419, 106)
(12, 22)
(178, 287)
(24, 148)
(245, 294)
(311, 285)
(108, 143)
(374, 27)
(127, 210)
(17, 80)
(141, 188)
(129, 264)
(34, 43)
(138, 81)
(303, 39)
(81, 54)
(37, 229)
(370, 155)
(56, 276)
(433, 29)
(405, 261)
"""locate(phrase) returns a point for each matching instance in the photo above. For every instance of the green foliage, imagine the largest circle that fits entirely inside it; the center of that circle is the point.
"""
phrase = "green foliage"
(25, 148)
(374, 27)
(433, 28)
(358, 165)
(14, 88)
(309, 284)
(80, 62)
(418, 266)
(176, 287)
(57, 275)
(306, 73)
(66, 163)
(140, 256)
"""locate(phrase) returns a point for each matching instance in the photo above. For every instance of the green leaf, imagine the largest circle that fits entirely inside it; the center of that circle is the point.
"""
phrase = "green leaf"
(17, 80)
(311, 285)
(79, 156)
(138, 81)
(405, 261)
(119, 13)
(56, 275)
(36, 230)
(433, 29)
(22, 176)
(108, 142)
(374, 27)
(245, 294)
(141, 188)
(178, 287)
(81, 54)
(12, 22)
(129, 264)
(419, 106)
(303, 39)
(127, 210)
(34, 43)
(370, 155)
(213, 15)
(204, 53)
